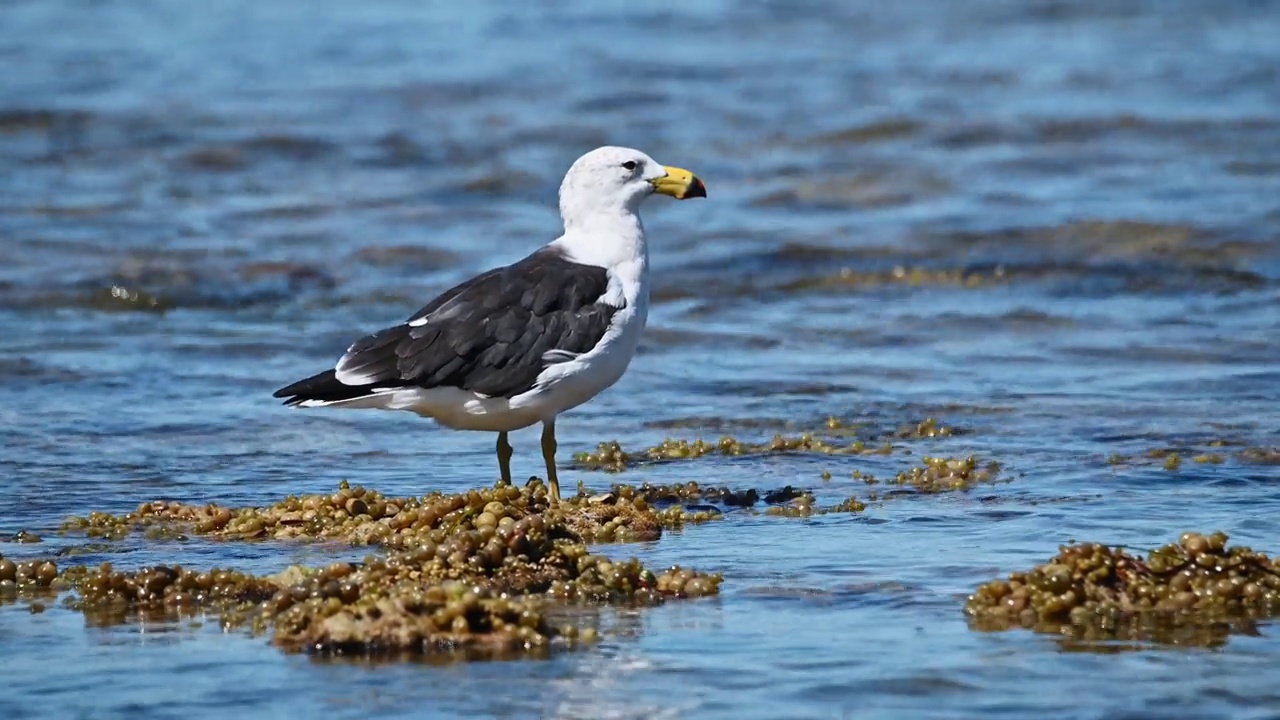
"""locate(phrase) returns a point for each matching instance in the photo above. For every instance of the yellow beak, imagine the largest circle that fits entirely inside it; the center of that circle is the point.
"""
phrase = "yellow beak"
(679, 184)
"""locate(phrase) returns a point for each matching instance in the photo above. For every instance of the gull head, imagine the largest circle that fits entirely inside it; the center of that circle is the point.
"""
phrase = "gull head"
(617, 179)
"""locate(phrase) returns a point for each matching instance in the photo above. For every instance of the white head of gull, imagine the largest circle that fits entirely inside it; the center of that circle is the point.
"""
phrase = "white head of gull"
(522, 343)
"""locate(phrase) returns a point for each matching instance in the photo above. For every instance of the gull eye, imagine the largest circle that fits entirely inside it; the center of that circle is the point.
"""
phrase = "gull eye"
(630, 164)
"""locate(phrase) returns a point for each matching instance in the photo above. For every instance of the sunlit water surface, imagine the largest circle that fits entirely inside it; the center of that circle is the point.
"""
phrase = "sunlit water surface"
(279, 176)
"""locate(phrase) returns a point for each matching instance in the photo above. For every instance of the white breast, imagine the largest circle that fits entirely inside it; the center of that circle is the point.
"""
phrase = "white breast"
(565, 385)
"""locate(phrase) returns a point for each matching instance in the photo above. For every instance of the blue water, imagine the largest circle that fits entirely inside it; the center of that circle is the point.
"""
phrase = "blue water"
(281, 176)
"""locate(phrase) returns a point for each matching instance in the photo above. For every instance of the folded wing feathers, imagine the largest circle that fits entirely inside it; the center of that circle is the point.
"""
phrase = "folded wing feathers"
(492, 335)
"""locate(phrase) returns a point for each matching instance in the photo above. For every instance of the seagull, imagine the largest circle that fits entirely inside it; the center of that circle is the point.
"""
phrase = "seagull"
(522, 343)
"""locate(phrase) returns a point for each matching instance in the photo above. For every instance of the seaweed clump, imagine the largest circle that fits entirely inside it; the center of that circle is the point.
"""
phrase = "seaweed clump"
(623, 515)
(396, 603)
(938, 474)
(362, 516)
(835, 437)
(26, 576)
(1190, 592)
(927, 428)
(1172, 458)
(109, 596)
(481, 571)
(472, 520)
(610, 457)
(932, 475)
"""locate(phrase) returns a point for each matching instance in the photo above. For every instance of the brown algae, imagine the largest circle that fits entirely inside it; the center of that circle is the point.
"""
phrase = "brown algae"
(1172, 459)
(476, 571)
(480, 572)
(932, 475)
(361, 516)
(1095, 592)
(937, 474)
(611, 457)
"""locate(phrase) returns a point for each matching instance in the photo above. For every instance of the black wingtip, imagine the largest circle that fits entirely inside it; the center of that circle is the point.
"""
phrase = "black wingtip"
(290, 391)
(298, 391)
(324, 387)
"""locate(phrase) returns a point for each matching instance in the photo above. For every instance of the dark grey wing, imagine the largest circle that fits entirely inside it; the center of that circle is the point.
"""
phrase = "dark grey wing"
(493, 334)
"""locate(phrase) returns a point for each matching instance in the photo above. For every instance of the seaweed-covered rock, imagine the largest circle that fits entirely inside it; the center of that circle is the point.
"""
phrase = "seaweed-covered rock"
(475, 571)
(835, 437)
(108, 594)
(610, 457)
(1095, 591)
(361, 516)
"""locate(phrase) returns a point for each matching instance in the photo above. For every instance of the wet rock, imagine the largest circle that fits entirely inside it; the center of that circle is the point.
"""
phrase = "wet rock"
(796, 505)
(741, 498)
(782, 495)
(787, 501)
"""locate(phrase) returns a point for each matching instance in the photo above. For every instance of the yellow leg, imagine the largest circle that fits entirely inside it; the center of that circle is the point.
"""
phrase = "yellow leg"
(504, 458)
(549, 455)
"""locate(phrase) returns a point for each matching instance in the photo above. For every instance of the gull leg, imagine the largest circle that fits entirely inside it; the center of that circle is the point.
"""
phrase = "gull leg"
(504, 458)
(549, 455)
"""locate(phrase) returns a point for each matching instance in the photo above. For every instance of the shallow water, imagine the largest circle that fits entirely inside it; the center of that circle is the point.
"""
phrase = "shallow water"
(1051, 225)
